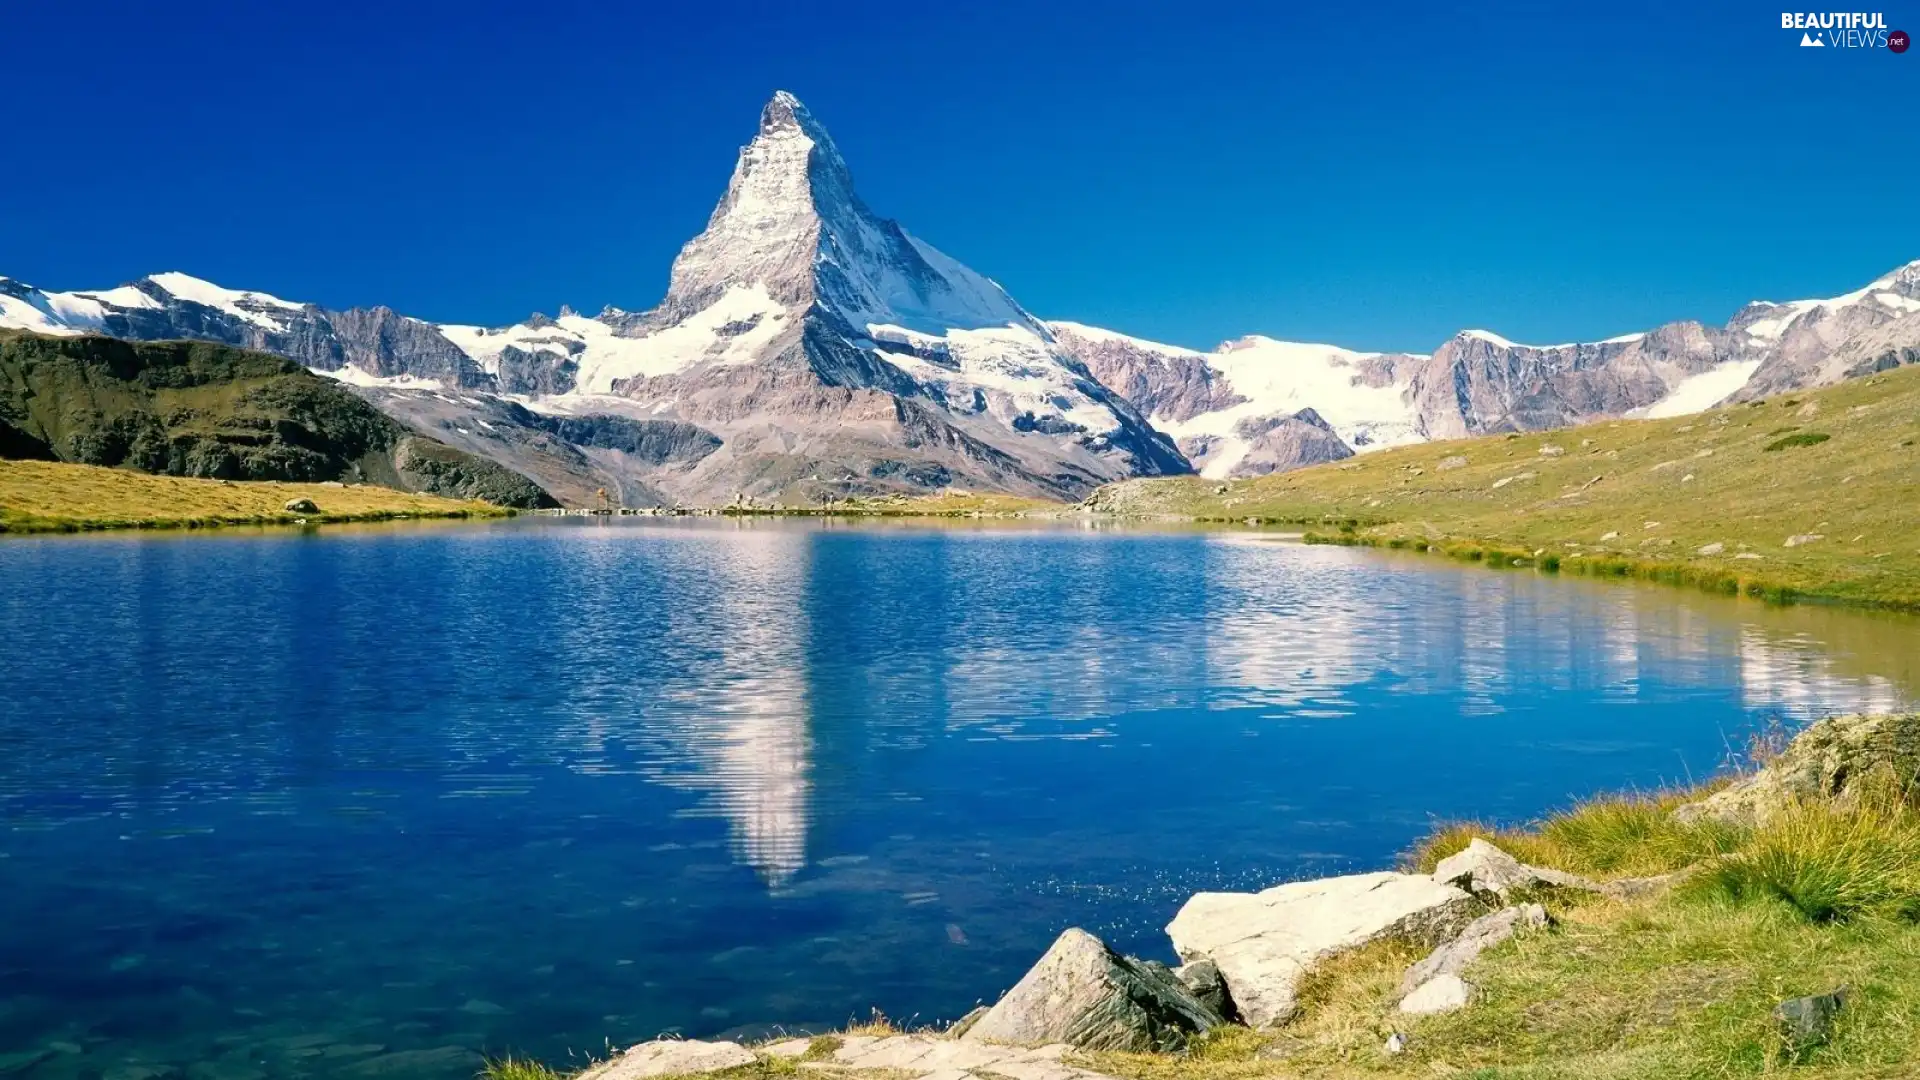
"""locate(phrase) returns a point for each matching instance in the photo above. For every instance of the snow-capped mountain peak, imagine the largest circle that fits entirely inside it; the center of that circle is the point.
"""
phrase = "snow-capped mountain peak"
(791, 222)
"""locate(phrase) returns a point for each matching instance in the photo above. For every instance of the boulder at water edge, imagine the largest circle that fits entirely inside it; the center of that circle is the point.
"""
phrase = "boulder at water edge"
(671, 1057)
(1485, 869)
(1264, 943)
(1086, 995)
(1203, 978)
(1831, 760)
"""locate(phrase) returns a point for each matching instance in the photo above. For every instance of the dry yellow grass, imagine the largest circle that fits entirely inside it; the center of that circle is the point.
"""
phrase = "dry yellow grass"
(47, 496)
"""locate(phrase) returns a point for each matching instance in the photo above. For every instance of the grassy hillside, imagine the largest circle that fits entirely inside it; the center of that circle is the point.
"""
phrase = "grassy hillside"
(199, 409)
(1807, 495)
(51, 496)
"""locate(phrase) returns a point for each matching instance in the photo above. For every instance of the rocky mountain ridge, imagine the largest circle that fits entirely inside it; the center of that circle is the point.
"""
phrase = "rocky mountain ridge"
(1479, 383)
(807, 348)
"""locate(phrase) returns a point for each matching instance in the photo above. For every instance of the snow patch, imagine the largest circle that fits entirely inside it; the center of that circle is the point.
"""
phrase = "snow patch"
(206, 293)
(1697, 393)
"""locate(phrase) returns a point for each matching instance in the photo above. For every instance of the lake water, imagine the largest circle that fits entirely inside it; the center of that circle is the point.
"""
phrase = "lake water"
(370, 802)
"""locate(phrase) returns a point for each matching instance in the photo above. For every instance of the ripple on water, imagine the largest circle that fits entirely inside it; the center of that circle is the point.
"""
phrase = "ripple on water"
(339, 807)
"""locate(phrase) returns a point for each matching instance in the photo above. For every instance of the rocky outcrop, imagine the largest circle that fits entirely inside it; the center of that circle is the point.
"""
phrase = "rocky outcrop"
(1482, 868)
(930, 1057)
(1203, 979)
(1480, 935)
(671, 1057)
(1264, 943)
(1084, 994)
(1280, 443)
(1833, 760)
(1171, 385)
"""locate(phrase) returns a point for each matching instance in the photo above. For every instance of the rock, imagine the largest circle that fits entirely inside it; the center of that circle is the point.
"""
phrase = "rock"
(1480, 935)
(1483, 868)
(1396, 1043)
(1806, 1022)
(932, 1057)
(791, 1048)
(1714, 548)
(1829, 760)
(671, 1057)
(1440, 994)
(301, 506)
(964, 1024)
(1264, 943)
(1748, 555)
(1086, 995)
(1798, 539)
(1448, 464)
(1552, 451)
(1202, 977)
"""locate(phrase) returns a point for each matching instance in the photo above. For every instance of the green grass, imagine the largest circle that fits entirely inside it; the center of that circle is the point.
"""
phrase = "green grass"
(1609, 836)
(513, 1068)
(1805, 438)
(48, 496)
(1696, 501)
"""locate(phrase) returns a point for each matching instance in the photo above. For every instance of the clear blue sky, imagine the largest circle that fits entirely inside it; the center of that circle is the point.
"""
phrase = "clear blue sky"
(1375, 175)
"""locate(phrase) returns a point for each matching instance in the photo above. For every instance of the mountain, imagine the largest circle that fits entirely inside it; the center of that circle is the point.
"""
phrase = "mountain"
(1217, 404)
(831, 352)
(807, 348)
(199, 409)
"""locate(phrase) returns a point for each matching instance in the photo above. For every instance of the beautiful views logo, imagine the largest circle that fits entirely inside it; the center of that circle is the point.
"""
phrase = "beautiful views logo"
(1844, 30)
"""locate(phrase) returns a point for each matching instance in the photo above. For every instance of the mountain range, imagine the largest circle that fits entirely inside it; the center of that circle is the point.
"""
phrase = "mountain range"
(807, 348)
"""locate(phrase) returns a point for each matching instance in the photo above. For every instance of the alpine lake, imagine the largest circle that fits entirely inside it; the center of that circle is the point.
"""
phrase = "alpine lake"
(382, 801)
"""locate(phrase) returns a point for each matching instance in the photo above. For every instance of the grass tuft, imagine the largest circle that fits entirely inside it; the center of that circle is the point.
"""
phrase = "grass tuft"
(1827, 863)
(1804, 438)
(515, 1068)
(1613, 836)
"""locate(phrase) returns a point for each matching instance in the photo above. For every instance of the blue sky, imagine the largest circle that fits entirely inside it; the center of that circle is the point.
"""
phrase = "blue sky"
(1373, 175)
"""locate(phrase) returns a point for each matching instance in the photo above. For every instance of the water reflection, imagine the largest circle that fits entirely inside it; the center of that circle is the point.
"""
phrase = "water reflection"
(540, 785)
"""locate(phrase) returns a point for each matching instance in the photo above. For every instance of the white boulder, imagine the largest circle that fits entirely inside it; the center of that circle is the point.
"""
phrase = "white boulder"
(671, 1057)
(1263, 943)
(1440, 994)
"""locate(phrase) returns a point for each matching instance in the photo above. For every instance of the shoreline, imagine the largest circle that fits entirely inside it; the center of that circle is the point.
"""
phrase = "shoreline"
(39, 498)
(1573, 945)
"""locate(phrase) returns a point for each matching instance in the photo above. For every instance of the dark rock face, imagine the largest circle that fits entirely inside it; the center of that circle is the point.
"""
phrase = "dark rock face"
(198, 409)
(655, 442)
(385, 344)
(1084, 994)
(1280, 443)
(1208, 986)
(1173, 385)
(1807, 1022)
(1474, 385)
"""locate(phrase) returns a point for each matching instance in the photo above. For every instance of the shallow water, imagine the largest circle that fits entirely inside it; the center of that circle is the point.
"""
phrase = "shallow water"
(370, 802)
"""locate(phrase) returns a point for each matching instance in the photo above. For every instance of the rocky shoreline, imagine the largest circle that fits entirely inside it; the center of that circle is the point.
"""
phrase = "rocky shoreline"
(1246, 956)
